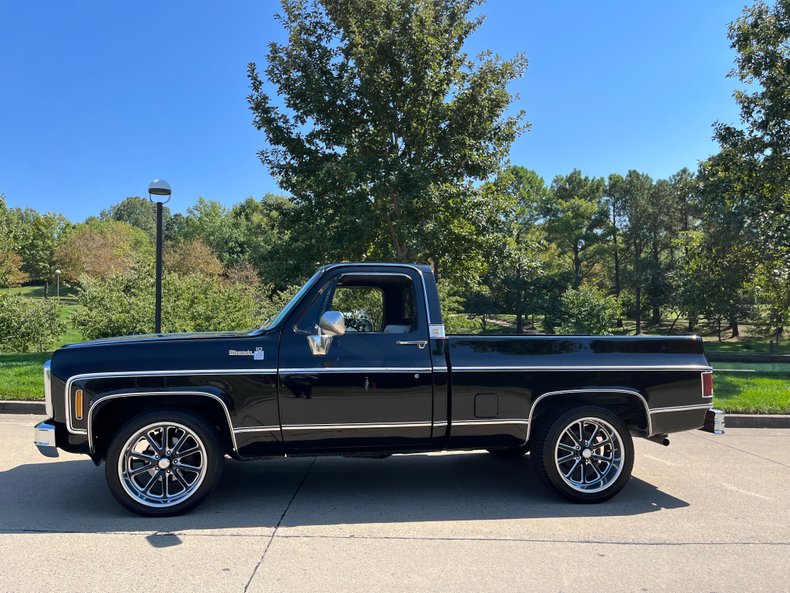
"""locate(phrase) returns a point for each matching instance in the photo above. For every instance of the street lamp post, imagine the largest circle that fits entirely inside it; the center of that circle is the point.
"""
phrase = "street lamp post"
(159, 187)
(57, 276)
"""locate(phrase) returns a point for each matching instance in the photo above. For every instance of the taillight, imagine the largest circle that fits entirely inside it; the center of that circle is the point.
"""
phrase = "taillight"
(707, 384)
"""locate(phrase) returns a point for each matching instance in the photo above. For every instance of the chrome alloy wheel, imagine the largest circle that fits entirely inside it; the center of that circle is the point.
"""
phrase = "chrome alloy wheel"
(589, 455)
(162, 464)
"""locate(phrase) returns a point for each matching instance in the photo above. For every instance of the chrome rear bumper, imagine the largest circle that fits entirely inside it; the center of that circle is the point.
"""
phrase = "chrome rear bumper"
(714, 421)
(44, 439)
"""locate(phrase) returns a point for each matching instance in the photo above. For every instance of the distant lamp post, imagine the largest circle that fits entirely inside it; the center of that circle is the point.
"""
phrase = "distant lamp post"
(159, 187)
(57, 276)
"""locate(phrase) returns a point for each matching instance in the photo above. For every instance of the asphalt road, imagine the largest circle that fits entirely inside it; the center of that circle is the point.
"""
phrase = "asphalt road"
(708, 514)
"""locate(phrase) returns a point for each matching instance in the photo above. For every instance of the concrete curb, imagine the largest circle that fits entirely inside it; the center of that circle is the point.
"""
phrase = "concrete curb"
(21, 407)
(756, 421)
(730, 420)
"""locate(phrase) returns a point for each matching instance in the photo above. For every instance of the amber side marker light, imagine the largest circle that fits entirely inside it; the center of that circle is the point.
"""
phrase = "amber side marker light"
(707, 384)
(78, 404)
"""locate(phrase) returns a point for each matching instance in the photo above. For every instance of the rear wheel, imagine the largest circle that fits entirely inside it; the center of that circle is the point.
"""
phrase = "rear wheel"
(163, 463)
(585, 454)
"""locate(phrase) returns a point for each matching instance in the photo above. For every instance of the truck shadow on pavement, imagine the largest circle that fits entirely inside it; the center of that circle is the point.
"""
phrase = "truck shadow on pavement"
(64, 496)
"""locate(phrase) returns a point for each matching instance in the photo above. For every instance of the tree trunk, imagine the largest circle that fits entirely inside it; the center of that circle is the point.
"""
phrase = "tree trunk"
(577, 268)
(519, 307)
(671, 327)
(46, 289)
(654, 276)
(638, 310)
(734, 327)
(691, 323)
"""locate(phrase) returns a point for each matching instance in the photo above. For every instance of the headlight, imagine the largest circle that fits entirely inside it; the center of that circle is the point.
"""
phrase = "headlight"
(48, 390)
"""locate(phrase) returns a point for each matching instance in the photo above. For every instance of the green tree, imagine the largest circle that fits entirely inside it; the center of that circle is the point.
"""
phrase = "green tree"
(271, 241)
(11, 273)
(663, 226)
(189, 257)
(687, 214)
(137, 212)
(122, 304)
(615, 201)
(514, 257)
(36, 237)
(577, 220)
(101, 248)
(28, 323)
(388, 125)
(587, 310)
(751, 173)
(210, 222)
(635, 191)
(756, 156)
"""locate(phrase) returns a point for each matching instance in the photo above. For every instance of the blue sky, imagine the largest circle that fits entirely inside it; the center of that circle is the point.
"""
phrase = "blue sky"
(98, 97)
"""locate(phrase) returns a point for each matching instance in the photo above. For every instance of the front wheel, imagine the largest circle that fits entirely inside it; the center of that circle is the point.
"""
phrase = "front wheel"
(585, 454)
(163, 463)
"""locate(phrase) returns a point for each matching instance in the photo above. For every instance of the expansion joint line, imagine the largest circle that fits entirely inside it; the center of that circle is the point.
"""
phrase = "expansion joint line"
(279, 522)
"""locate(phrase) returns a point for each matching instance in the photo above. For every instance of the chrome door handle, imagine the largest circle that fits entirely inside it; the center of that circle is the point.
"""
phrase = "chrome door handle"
(419, 343)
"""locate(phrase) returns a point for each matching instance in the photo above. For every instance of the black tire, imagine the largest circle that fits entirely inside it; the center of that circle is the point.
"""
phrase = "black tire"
(577, 468)
(510, 452)
(163, 463)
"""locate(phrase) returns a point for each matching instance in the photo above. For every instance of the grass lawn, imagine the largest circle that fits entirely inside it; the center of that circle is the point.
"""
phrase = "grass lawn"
(22, 376)
(752, 388)
(67, 293)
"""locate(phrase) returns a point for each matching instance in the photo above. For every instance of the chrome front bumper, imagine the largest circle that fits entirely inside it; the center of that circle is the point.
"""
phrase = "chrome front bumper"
(714, 421)
(44, 439)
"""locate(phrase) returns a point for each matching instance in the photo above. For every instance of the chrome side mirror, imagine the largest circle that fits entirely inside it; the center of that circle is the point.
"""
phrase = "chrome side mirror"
(331, 324)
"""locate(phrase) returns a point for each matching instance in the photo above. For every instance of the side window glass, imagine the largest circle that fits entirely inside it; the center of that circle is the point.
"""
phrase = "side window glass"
(370, 303)
(361, 306)
(409, 308)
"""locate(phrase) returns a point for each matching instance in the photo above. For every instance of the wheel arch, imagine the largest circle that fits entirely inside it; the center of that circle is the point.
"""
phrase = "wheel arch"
(117, 408)
(628, 404)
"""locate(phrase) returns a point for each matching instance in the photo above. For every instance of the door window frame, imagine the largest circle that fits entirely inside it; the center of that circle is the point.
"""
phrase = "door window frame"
(420, 306)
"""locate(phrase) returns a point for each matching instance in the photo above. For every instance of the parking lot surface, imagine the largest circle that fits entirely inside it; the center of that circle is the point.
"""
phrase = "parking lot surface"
(705, 514)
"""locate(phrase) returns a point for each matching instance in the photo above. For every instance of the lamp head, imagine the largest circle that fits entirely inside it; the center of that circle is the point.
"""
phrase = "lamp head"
(159, 187)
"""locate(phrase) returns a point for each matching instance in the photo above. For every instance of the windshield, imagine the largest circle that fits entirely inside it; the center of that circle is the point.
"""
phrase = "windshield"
(296, 298)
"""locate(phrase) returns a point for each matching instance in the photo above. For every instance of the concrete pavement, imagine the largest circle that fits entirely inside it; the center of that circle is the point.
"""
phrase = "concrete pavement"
(705, 514)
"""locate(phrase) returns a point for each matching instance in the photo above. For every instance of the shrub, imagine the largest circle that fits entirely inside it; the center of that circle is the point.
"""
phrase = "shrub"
(587, 310)
(28, 323)
(123, 304)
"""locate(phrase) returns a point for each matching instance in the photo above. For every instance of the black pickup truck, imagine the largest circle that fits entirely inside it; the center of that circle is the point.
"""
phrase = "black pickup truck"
(358, 364)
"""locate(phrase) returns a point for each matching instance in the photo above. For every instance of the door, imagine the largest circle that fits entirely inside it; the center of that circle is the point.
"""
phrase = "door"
(373, 388)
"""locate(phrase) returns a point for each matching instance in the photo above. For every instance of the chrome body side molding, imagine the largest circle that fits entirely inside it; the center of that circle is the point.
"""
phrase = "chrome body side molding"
(681, 408)
(515, 369)
(319, 370)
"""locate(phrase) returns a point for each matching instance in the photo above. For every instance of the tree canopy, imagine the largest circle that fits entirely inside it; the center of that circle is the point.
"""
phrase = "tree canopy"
(386, 125)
